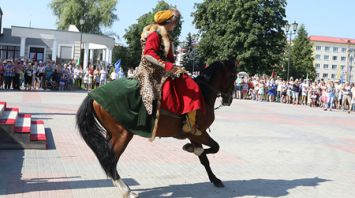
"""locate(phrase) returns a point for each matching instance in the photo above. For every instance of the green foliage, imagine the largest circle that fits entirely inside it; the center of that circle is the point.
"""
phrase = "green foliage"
(301, 56)
(133, 33)
(96, 13)
(249, 31)
(192, 60)
(121, 52)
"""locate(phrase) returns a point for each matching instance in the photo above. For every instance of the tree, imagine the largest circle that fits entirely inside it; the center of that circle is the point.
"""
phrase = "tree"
(133, 33)
(121, 52)
(96, 13)
(250, 32)
(301, 56)
(191, 60)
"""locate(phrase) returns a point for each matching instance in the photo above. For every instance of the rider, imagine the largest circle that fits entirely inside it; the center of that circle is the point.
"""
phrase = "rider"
(159, 79)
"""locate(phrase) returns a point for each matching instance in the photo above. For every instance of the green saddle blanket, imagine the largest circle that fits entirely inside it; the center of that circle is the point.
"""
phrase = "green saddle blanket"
(122, 100)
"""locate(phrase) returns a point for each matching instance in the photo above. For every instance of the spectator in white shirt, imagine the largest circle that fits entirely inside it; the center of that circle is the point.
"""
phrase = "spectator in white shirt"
(103, 76)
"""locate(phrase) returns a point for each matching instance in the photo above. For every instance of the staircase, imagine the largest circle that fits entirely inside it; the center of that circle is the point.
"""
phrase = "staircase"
(20, 131)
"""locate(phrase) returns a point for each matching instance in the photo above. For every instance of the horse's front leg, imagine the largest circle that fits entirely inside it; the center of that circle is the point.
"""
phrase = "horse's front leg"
(196, 146)
(206, 163)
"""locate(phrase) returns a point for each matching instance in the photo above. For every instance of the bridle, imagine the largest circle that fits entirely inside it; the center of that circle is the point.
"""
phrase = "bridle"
(216, 92)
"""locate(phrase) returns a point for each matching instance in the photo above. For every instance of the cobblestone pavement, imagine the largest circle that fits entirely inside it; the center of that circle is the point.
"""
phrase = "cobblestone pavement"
(267, 150)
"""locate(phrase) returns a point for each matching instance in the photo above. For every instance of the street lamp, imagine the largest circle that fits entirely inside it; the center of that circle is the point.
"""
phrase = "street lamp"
(193, 56)
(195, 39)
(81, 22)
(287, 28)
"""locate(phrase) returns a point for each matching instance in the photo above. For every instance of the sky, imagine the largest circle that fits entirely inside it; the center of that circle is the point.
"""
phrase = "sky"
(321, 17)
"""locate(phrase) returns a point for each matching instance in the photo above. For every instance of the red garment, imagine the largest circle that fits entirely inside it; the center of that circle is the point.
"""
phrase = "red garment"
(180, 95)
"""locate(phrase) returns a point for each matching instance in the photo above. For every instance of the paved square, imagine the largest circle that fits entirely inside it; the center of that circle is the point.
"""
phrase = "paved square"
(267, 150)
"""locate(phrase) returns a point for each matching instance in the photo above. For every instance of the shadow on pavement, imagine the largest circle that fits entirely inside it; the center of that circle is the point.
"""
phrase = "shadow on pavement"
(48, 184)
(57, 183)
(11, 162)
(237, 188)
(50, 139)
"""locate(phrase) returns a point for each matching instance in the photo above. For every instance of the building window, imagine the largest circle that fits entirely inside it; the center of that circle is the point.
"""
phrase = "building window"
(335, 58)
(326, 57)
(317, 57)
(335, 49)
(9, 52)
(326, 48)
(36, 53)
(325, 75)
(343, 49)
(342, 67)
(317, 65)
(334, 66)
(325, 66)
(343, 58)
(333, 76)
(318, 48)
(317, 75)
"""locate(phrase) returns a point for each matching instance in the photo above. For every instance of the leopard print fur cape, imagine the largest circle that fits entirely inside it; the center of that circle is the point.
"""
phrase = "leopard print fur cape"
(151, 73)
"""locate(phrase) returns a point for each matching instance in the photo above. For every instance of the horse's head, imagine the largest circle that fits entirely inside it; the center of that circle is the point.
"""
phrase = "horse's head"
(221, 76)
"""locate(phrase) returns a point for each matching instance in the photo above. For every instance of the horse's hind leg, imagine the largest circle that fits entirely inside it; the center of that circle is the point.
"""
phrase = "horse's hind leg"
(119, 143)
(118, 138)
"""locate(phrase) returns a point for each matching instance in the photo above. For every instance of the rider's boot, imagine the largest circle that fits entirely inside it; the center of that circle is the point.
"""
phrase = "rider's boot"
(190, 124)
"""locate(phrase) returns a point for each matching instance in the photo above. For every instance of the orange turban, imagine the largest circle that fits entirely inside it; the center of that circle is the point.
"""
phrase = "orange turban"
(162, 16)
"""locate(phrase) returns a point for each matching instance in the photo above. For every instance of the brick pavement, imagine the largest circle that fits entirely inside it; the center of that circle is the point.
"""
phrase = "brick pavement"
(267, 150)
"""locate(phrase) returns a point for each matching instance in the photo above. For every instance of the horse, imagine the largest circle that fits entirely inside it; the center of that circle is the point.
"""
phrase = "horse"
(108, 139)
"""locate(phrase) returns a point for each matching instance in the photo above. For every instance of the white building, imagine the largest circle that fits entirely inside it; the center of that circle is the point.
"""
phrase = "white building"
(56, 45)
(333, 58)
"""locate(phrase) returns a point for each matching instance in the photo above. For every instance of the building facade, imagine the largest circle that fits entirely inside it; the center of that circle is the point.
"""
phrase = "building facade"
(333, 58)
(56, 45)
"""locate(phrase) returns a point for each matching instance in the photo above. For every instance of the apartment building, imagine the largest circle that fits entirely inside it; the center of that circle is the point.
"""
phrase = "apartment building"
(333, 58)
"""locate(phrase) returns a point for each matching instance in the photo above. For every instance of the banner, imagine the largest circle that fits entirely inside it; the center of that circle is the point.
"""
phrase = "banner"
(118, 66)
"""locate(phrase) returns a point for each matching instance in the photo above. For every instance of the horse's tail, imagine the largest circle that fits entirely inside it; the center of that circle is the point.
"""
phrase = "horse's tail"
(95, 137)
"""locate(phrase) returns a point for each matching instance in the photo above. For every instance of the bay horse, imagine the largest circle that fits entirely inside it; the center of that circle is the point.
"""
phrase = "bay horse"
(108, 139)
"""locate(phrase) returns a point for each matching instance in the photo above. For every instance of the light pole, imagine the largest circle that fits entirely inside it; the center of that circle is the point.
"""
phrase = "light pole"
(81, 21)
(287, 28)
(195, 39)
(193, 60)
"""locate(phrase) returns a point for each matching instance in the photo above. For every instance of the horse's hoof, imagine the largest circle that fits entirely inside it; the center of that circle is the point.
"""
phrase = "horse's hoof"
(218, 183)
(188, 147)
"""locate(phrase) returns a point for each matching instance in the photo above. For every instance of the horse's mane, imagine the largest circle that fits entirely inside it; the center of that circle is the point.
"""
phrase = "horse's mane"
(208, 74)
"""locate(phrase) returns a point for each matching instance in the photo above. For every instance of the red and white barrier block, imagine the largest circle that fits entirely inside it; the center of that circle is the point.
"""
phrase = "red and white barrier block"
(23, 123)
(9, 116)
(38, 132)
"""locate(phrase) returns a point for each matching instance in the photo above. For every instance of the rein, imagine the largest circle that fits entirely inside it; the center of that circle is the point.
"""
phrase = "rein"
(204, 81)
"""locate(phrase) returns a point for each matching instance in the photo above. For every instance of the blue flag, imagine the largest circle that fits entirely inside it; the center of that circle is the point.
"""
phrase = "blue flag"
(118, 66)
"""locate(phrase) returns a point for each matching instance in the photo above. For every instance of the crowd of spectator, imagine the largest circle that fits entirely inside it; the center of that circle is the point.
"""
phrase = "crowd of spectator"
(328, 95)
(29, 75)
